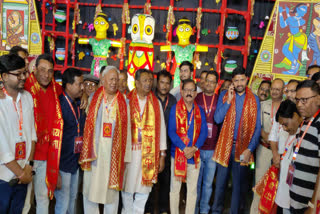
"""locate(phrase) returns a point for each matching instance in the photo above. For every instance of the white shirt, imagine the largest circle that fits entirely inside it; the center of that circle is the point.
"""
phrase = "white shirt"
(133, 172)
(9, 131)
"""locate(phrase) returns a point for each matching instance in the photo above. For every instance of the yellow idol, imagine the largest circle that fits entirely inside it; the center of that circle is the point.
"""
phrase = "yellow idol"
(101, 26)
(184, 31)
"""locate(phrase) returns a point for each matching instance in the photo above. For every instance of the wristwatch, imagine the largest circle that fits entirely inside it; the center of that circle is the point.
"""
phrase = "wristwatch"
(163, 154)
(30, 162)
(196, 148)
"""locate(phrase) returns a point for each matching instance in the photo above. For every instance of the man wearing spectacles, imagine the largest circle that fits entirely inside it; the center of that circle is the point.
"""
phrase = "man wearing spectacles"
(188, 131)
(17, 134)
(306, 176)
(90, 83)
(208, 101)
(263, 153)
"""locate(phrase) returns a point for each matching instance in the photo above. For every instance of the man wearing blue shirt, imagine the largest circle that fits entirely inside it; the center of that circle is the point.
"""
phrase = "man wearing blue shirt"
(239, 111)
(188, 131)
(74, 119)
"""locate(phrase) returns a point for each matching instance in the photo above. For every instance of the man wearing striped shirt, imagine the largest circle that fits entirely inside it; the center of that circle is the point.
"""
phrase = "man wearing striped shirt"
(306, 159)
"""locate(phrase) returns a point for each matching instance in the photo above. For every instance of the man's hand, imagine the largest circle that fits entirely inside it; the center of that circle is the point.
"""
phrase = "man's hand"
(162, 163)
(191, 151)
(309, 211)
(26, 176)
(230, 93)
(84, 101)
(276, 160)
(246, 156)
(59, 182)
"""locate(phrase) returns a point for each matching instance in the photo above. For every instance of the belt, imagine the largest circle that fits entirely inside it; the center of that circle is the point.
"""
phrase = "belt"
(265, 144)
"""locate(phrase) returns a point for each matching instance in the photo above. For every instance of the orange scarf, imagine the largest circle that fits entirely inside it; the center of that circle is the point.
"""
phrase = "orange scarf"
(245, 131)
(119, 141)
(266, 188)
(55, 136)
(180, 161)
(150, 134)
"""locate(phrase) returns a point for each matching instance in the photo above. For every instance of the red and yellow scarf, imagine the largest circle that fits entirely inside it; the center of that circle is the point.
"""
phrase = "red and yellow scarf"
(55, 136)
(150, 134)
(180, 161)
(119, 141)
(245, 132)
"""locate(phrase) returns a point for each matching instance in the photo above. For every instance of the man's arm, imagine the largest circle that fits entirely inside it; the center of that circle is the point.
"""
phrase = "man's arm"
(222, 109)
(204, 130)
(314, 196)
(255, 138)
(172, 130)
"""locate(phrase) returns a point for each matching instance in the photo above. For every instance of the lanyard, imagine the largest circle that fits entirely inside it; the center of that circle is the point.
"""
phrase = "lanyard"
(208, 111)
(287, 145)
(165, 107)
(304, 133)
(20, 115)
(105, 101)
(74, 113)
(190, 120)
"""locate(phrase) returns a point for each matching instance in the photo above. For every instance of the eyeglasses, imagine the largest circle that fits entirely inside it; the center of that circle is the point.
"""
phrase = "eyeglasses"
(90, 84)
(189, 90)
(19, 75)
(304, 100)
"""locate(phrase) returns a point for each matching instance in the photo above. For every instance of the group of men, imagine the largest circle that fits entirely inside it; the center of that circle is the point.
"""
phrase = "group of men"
(127, 141)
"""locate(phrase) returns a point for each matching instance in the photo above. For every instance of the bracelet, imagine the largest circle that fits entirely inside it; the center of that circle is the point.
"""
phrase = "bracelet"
(163, 154)
(196, 148)
(311, 205)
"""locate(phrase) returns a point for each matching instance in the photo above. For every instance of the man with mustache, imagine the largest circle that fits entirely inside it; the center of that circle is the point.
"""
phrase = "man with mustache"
(264, 90)
(263, 153)
(186, 70)
(167, 100)
(306, 159)
(188, 131)
(17, 134)
(148, 139)
(238, 110)
(72, 140)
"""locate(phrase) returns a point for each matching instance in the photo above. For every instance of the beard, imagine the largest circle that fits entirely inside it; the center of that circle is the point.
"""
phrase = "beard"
(240, 89)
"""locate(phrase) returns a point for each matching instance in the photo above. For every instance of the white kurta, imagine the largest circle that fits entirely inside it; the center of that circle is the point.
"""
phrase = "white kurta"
(96, 181)
(283, 196)
(133, 172)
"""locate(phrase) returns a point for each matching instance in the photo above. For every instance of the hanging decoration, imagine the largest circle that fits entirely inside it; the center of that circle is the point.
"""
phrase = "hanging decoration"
(230, 66)
(125, 14)
(115, 28)
(147, 8)
(60, 16)
(60, 53)
(232, 33)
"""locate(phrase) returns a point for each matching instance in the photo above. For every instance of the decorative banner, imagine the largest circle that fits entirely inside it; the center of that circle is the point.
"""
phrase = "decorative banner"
(20, 26)
(291, 41)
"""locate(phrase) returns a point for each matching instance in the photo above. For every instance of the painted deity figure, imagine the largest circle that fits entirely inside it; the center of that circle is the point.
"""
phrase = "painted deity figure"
(100, 44)
(141, 48)
(297, 40)
(314, 37)
(183, 51)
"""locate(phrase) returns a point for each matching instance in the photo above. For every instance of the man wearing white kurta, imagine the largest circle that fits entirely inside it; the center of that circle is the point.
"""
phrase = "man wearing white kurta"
(138, 185)
(108, 105)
